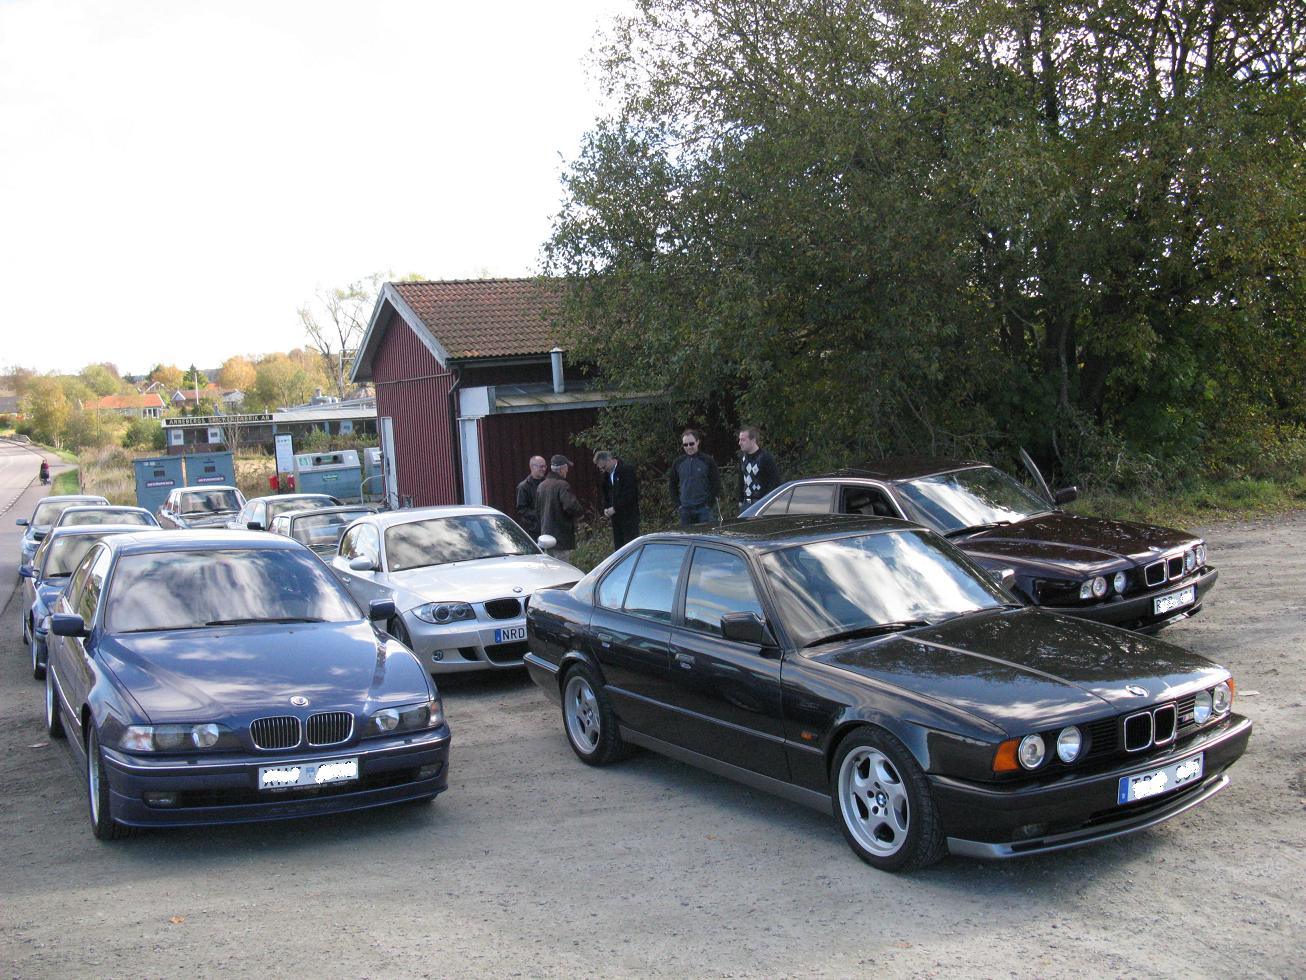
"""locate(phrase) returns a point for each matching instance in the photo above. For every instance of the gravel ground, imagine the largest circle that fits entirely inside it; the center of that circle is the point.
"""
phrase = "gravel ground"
(533, 864)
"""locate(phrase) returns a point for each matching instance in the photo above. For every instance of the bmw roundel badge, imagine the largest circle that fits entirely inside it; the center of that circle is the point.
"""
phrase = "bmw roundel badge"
(1136, 691)
(299, 701)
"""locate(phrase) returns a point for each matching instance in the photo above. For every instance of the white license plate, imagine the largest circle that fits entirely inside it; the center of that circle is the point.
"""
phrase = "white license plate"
(1158, 781)
(509, 633)
(308, 774)
(1175, 600)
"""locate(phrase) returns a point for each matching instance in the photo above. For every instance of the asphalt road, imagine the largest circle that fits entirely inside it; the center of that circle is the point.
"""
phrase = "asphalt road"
(532, 864)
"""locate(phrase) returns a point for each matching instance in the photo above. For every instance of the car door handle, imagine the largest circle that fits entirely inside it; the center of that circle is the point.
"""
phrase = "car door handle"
(685, 660)
(605, 639)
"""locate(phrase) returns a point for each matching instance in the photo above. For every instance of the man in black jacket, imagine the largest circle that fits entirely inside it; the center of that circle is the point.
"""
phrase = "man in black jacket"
(758, 472)
(527, 516)
(558, 508)
(694, 481)
(618, 496)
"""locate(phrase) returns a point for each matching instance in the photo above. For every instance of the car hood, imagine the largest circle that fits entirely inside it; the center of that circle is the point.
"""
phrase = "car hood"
(230, 672)
(1081, 543)
(206, 520)
(476, 581)
(1029, 669)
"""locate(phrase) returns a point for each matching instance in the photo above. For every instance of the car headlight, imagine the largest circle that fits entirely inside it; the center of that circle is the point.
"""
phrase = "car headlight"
(1031, 751)
(444, 612)
(1094, 588)
(1069, 742)
(1222, 697)
(1200, 552)
(1118, 582)
(1202, 707)
(177, 738)
(407, 718)
(1190, 560)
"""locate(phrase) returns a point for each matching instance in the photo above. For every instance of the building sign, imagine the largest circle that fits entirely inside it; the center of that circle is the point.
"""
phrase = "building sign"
(285, 453)
(195, 420)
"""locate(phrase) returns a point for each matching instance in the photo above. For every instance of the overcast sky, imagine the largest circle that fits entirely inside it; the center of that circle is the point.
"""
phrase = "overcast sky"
(177, 178)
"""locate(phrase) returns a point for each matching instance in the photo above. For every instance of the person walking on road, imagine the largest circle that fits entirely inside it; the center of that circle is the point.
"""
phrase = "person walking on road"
(618, 496)
(558, 508)
(758, 472)
(45, 471)
(694, 481)
(527, 516)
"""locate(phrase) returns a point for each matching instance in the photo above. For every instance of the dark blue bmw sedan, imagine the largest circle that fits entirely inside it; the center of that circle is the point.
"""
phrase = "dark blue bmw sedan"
(214, 677)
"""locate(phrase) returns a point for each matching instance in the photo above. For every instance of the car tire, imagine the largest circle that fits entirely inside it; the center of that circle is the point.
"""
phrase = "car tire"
(27, 628)
(588, 719)
(53, 720)
(38, 658)
(883, 803)
(99, 800)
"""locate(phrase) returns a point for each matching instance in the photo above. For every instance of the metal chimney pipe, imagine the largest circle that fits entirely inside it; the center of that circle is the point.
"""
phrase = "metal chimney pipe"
(559, 386)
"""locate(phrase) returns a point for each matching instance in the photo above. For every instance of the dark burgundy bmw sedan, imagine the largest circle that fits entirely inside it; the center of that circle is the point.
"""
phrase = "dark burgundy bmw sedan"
(868, 668)
(1138, 576)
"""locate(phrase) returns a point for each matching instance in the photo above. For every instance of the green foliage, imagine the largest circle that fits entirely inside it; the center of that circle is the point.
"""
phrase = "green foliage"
(324, 442)
(66, 482)
(92, 430)
(950, 228)
(144, 434)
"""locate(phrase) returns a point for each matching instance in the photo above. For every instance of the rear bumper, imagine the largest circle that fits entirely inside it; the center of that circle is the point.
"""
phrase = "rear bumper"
(1138, 612)
(995, 822)
(226, 790)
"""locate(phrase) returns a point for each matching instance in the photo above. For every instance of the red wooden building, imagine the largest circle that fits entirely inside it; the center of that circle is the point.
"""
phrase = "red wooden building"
(470, 385)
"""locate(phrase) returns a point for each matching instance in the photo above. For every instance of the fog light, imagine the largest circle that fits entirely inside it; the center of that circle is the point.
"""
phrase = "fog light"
(1069, 742)
(1202, 707)
(161, 799)
(1031, 751)
(1190, 560)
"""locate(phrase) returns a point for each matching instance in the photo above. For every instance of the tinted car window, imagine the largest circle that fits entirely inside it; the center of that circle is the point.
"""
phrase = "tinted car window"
(187, 589)
(441, 540)
(718, 583)
(811, 498)
(89, 597)
(779, 505)
(65, 553)
(858, 499)
(77, 584)
(613, 589)
(209, 502)
(318, 531)
(48, 512)
(652, 590)
(276, 507)
(83, 517)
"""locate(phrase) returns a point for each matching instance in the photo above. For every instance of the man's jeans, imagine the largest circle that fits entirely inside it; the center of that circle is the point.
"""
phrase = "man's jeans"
(695, 515)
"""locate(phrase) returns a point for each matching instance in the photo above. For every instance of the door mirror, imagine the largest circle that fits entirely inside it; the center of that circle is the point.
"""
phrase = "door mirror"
(254, 525)
(546, 541)
(362, 564)
(21, 522)
(381, 610)
(67, 624)
(1065, 495)
(746, 627)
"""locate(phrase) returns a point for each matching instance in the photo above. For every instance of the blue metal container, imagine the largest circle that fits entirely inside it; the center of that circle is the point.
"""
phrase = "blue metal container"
(336, 473)
(155, 479)
(210, 469)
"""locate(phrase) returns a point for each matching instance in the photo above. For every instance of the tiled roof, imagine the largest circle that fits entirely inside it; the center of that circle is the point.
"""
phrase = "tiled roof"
(125, 401)
(486, 317)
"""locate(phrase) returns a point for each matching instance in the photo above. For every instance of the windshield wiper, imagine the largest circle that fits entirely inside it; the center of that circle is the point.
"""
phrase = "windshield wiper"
(975, 528)
(875, 629)
(269, 619)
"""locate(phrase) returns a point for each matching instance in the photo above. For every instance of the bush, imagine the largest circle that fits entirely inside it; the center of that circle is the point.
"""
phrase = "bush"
(144, 434)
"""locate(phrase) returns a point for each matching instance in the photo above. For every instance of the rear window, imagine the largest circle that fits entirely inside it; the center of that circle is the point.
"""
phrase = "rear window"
(107, 516)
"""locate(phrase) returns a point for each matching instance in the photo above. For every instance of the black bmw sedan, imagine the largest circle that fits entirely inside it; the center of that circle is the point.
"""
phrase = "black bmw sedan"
(868, 668)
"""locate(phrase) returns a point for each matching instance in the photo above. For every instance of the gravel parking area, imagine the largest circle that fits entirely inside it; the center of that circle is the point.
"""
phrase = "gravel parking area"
(533, 864)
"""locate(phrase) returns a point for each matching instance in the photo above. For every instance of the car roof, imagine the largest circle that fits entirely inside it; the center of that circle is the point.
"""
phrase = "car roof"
(90, 498)
(85, 507)
(78, 530)
(205, 489)
(201, 540)
(318, 511)
(768, 533)
(291, 496)
(390, 518)
(902, 468)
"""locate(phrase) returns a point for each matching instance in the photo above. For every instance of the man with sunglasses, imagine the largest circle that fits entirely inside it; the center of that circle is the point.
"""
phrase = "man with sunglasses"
(695, 481)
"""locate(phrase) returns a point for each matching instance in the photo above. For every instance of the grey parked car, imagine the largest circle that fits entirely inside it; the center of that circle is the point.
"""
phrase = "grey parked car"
(111, 514)
(259, 512)
(200, 507)
(320, 529)
(44, 517)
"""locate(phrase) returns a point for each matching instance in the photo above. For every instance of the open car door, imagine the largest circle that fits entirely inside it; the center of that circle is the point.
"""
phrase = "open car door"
(1039, 483)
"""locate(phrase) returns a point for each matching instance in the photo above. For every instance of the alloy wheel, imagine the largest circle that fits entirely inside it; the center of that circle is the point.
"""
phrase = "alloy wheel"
(874, 801)
(582, 713)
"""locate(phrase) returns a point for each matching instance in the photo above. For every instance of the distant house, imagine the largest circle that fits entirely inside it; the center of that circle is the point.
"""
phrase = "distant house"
(186, 397)
(149, 406)
(469, 385)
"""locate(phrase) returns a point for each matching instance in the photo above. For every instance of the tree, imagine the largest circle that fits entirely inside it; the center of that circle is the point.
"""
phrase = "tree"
(144, 434)
(48, 409)
(280, 382)
(236, 374)
(946, 227)
(102, 379)
(334, 321)
(91, 429)
(168, 375)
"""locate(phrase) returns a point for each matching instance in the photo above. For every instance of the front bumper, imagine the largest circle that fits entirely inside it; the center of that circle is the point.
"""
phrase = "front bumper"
(1138, 612)
(987, 821)
(467, 645)
(225, 790)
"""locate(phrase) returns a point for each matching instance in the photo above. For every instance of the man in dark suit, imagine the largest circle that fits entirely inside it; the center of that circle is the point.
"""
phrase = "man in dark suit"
(618, 496)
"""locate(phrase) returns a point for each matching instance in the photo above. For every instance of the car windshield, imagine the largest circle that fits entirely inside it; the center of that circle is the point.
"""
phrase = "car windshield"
(441, 540)
(47, 512)
(65, 552)
(970, 498)
(106, 515)
(322, 531)
(210, 502)
(276, 507)
(830, 588)
(169, 590)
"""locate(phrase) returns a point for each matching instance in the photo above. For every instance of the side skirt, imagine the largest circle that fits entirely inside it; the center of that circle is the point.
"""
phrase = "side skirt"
(809, 798)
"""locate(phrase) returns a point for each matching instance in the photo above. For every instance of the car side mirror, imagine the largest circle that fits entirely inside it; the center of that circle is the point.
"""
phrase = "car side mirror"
(26, 571)
(21, 522)
(1006, 577)
(362, 564)
(746, 627)
(254, 525)
(1065, 495)
(67, 624)
(381, 610)
(546, 541)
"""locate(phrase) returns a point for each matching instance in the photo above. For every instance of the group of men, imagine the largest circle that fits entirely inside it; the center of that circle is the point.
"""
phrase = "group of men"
(546, 503)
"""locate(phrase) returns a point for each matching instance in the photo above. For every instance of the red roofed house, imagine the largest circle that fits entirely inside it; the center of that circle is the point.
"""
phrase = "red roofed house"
(469, 386)
(136, 406)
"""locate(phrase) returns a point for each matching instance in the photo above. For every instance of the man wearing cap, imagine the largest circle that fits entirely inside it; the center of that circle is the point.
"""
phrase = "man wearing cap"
(558, 508)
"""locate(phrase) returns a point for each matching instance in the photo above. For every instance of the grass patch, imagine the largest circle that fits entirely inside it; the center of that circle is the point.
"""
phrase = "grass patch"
(1220, 500)
(66, 483)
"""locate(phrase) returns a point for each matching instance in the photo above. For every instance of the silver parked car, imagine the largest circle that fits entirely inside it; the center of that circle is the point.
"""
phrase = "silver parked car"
(320, 529)
(44, 517)
(460, 578)
(101, 514)
(196, 507)
(259, 512)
